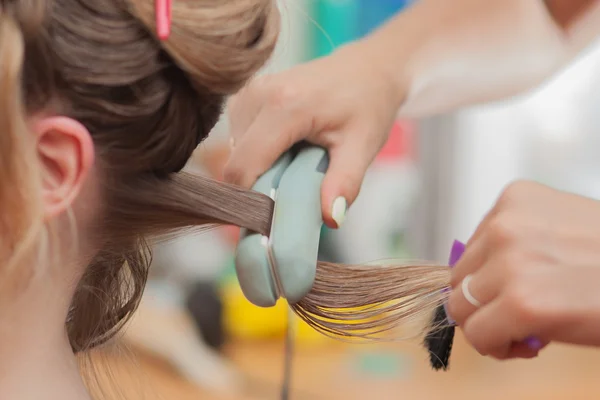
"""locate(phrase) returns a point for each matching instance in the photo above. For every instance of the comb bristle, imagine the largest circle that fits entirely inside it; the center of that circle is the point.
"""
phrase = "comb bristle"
(439, 340)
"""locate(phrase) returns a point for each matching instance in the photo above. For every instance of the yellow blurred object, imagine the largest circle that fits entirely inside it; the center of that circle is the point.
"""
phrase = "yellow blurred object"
(243, 320)
(305, 334)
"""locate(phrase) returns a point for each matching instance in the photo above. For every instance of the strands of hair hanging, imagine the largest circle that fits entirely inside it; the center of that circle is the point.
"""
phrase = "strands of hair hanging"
(371, 302)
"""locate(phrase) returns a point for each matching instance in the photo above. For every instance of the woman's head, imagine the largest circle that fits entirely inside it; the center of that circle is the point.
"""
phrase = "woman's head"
(97, 118)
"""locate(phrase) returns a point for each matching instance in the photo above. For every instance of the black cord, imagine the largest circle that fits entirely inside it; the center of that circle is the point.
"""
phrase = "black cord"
(288, 356)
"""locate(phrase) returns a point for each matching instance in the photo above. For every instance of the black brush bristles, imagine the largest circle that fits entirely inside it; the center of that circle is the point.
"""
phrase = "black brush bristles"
(439, 340)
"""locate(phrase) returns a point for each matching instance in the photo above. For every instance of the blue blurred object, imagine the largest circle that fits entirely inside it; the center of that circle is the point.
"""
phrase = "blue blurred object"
(338, 22)
(373, 13)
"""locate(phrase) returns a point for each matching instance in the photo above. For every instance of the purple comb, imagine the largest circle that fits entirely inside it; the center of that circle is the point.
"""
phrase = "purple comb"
(458, 248)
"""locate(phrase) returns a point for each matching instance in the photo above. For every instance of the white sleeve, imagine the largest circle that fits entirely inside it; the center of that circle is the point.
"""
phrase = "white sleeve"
(504, 49)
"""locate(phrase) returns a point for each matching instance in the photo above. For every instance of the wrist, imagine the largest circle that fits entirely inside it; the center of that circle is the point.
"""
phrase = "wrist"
(384, 64)
(380, 67)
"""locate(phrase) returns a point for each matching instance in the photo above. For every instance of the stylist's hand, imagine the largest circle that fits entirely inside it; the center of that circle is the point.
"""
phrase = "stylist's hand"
(535, 268)
(345, 102)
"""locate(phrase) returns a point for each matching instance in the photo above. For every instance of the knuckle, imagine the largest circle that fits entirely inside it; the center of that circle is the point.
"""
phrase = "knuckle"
(234, 175)
(513, 191)
(231, 175)
(503, 229)
(282, 96)
(470, 333)
(519, 303)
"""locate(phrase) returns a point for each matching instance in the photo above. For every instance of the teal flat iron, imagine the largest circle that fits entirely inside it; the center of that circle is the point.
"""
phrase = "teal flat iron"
(283, 264)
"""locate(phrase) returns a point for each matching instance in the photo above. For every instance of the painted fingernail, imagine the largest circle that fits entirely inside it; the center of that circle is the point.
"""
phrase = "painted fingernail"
(338, 210)
(534, 343)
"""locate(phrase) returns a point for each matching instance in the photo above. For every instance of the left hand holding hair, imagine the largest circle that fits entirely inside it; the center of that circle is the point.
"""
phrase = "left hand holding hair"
(533, 265)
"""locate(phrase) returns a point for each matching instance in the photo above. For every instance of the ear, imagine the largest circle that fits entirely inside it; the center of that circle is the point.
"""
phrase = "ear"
(66, 153)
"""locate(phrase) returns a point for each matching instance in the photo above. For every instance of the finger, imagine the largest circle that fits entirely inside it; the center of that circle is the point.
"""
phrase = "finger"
(483, 286)
(271, 134)
(493, 329)
(347, 167)
(522, 350)
(242, 109)
(500, 353)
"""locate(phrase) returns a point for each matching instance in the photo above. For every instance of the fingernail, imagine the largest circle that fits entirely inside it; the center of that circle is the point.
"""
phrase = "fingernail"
(534, 343)
(338, 210)
(231, 142)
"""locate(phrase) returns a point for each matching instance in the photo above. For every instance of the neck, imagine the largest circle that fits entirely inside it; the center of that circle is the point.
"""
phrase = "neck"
(36, 360)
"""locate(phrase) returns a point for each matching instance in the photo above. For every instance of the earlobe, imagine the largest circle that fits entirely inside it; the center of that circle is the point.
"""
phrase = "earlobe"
(66, 154)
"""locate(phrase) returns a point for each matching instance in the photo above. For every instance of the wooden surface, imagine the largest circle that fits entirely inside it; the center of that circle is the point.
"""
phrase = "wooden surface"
(333, 372)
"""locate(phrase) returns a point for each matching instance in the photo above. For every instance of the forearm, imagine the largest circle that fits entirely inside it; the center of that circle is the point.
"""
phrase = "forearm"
(448, 54)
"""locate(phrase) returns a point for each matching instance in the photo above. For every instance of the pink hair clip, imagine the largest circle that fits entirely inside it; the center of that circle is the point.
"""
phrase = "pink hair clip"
(163, 18)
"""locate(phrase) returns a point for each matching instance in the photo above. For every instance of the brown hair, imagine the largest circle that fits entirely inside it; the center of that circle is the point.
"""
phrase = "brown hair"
(147, 105)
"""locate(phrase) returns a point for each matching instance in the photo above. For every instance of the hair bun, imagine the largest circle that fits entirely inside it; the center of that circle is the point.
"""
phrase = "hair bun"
(220, 44)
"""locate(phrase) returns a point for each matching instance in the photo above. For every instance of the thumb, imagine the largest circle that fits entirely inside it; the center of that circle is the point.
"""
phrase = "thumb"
(347, 167)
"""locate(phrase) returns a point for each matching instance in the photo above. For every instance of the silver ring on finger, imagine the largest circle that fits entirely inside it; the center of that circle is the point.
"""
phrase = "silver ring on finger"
(467, 293)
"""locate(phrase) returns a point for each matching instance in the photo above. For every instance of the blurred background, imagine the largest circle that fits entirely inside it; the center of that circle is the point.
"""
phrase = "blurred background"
(197, 337)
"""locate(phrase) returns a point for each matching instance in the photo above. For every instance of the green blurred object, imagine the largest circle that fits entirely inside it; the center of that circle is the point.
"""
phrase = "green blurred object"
(337, 23)
(383, 364)
(398, 246)
(228, 273)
